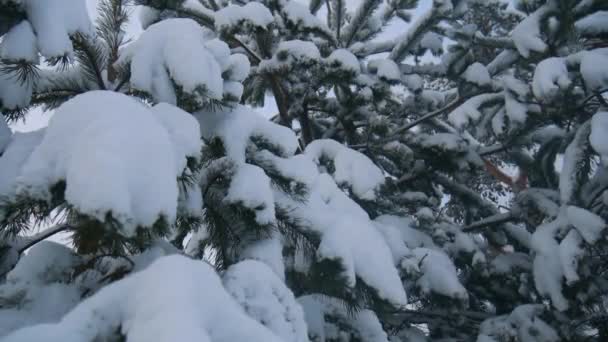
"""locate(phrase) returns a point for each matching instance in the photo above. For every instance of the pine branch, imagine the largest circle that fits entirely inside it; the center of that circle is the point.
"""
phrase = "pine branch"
(362, 15)
(27, 242)
(414, 34)
(491, 220)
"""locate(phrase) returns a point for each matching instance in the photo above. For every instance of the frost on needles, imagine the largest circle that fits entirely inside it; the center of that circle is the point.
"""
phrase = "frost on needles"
(443, 182)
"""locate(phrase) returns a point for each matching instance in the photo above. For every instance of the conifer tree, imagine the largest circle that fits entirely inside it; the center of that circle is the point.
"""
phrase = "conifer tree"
(394, 196)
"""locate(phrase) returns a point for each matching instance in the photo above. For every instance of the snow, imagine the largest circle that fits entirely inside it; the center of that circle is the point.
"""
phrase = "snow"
(588, 224)
(598, 137)
(401, 236)
(54, 34)
(269, 251)
(550, 77)
(133, 176)
(515, 110)
(594, 70)
(527, 34)
(350, 167)
(349, 237)
(595, 23)
(5, 135)
(299, 50)
(162, 303)
(570, 252)
(19, 44)
(385, 69)
(253, 13)
(477, 73)
(470, 109)
(239, 67)
(345, 60)
(326, 318)
(183, 131)
(301, 17)
(236, 126)
(547, 264)
(439, 274)
(250, 187)
(432, 41)
(266, 299)
(174, 50)
(522, 324)
(37, 288)
(11, 161)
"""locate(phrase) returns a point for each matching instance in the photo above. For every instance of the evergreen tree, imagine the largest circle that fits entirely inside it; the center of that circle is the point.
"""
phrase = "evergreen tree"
(474, 181)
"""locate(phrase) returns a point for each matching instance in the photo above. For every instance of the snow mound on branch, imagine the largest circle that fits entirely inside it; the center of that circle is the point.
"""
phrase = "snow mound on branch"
(598, 137)
(385, 69)
(299, 49)
(252, 14)
(15, 155)
(301, 17)
(324, 315)
(37, 287)
(439, 274)
(19, 44)
(478, 74)
(345, 60)
(163, 303)
(588, 224)
(175, 50)
(401, 237)
(236, 126)
(350, 167)
(595, 23)
(550, 77)
(470, 110)
(54, 21)
(547, 265)
(527, 34)
(349, 237)
(265, 298)
(594, 70)
(90, 143)
(522, 324)
(250, 186)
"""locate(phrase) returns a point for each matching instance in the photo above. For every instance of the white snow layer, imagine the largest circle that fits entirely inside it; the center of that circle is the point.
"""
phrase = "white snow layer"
(253, 13)
(37, 288)
(266, 299)
(54, 21)
(345, 60)
(478, 74)
(598, 137)
(594, 70)
(550, 77)
(19, 44)
(350, 167)
(324, 316)
(107, 168)
(385, 69)
(527, 34)
(595, 23)
(236, 126)
(250, 186)
(177, 50)
(11, 161)
(162, 303)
